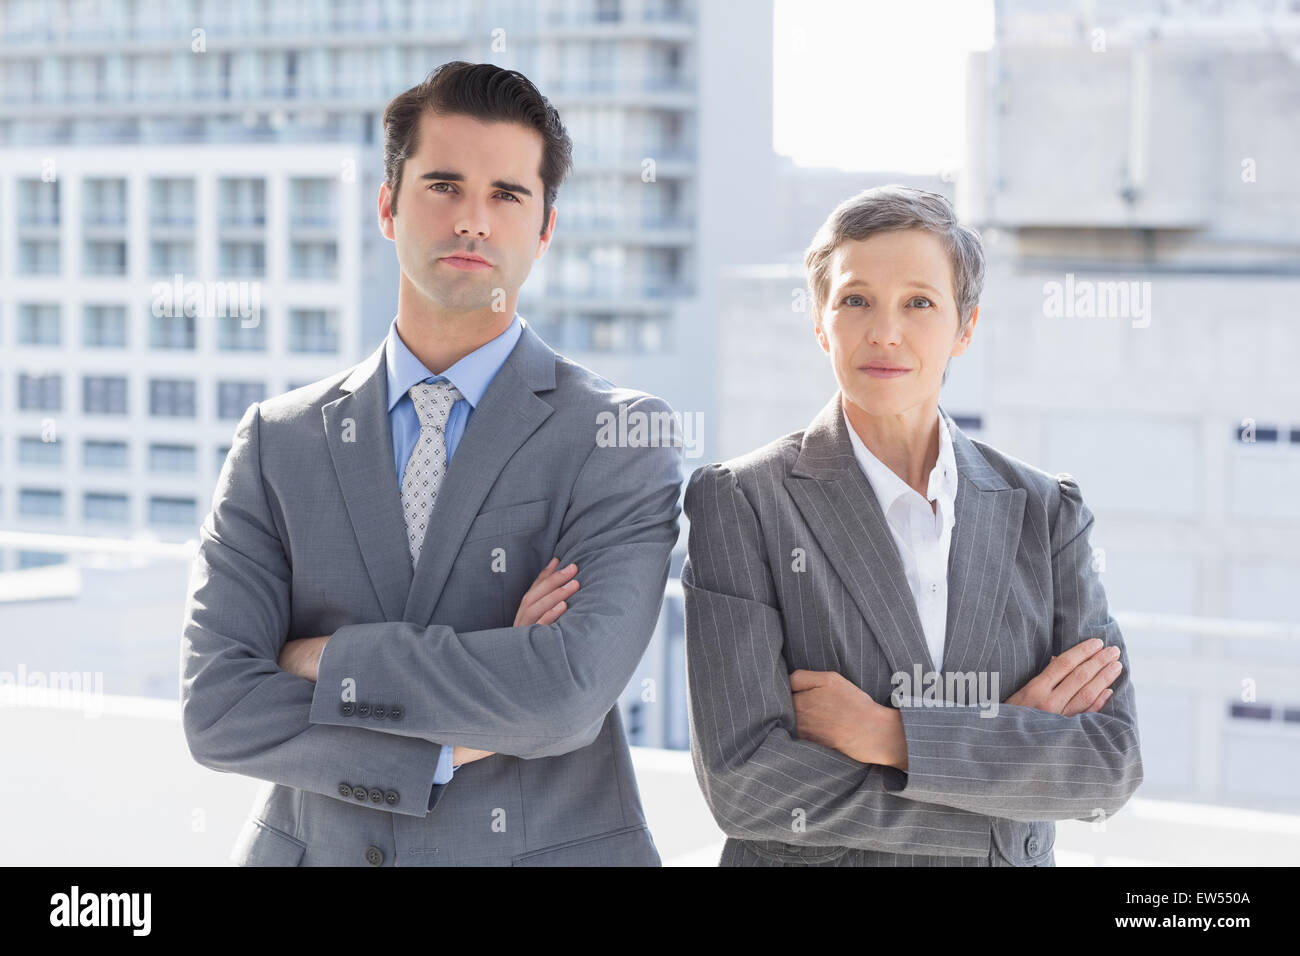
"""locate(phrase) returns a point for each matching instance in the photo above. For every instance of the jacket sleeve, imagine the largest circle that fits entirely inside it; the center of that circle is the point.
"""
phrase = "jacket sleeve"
(546, 689)
(240, 712)
(1027, 764)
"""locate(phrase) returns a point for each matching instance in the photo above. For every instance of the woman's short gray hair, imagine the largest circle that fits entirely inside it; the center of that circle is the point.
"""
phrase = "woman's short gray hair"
(893, 207)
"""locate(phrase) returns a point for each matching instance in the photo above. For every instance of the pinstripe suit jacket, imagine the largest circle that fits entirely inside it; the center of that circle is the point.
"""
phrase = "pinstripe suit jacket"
(791, 565)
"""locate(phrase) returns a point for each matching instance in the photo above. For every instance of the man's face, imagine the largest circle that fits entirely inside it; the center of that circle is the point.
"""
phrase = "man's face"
(471, 187)
(890, 321)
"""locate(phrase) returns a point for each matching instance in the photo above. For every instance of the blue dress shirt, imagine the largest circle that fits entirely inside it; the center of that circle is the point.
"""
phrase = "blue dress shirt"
(471, 376)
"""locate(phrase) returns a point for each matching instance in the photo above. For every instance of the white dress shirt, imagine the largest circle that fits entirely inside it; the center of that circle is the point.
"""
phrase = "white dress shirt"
(922, 534)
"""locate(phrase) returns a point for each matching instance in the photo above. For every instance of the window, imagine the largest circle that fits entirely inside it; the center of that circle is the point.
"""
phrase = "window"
(233, 398)
(104, 258)
(99, 506)
(40, 393)
(234, 336)
(172, 398)
(311, 203)
(39, 325)
(103, 395)
(243, 259)
(103, 202)
(37, 451)
(107, 455)
(104, 327)
(172, 331)
(172, 511)
(173, 458)
(38, 202)
(40, 503)
(313, 260)
(172, 202)
(170, 256)
(38, 257)
(313, 330)
(242, 202)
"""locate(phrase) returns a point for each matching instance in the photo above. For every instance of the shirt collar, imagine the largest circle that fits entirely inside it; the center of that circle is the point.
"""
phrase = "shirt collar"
(471, 375)
(889, 487)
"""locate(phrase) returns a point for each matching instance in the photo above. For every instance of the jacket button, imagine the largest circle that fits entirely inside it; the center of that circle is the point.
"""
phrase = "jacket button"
(379, 711)
(345, 791)
(374, 855)
(391, 798)
(1031, 846)
(359, 793)
(345, 709)
(376, 796)
(363, 709)
(395, 712)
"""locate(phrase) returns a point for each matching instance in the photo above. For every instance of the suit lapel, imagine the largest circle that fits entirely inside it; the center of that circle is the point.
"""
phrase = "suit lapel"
(842, 512)
(844, 515)
(981, 556)
(360, 441)
(361, 448)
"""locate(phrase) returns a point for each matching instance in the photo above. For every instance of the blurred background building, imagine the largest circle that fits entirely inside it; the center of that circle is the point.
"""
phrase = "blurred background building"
(1139, 156)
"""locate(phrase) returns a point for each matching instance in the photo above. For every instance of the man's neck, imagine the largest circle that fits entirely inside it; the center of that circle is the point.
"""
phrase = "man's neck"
(440, 339)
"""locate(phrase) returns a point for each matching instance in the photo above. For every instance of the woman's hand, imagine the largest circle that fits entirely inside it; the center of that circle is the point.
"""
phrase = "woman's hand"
(544, 601)
(1075, 682)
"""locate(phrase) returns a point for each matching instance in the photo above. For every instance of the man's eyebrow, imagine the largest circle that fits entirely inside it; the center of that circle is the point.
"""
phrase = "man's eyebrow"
(917, 283)
(452, 177)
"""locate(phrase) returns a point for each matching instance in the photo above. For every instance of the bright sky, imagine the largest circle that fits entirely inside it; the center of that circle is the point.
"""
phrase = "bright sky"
(874, 84)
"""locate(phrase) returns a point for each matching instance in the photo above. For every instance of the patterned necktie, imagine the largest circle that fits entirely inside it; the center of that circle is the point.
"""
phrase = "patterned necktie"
(428, 462)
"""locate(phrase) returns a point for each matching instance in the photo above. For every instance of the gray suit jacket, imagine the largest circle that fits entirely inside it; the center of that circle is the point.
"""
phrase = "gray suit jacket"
(791, 565)
(306, 538)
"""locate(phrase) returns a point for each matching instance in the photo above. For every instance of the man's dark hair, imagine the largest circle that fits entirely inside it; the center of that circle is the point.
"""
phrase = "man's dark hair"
(489, 94)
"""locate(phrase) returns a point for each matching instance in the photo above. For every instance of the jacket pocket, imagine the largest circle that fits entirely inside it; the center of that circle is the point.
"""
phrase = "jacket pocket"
(794, 853)
(1018, 843)
(626, 846)
(512, 519)
(260, 844)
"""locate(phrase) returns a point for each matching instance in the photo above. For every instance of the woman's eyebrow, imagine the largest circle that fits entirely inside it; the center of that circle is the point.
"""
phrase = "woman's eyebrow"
(867, 285)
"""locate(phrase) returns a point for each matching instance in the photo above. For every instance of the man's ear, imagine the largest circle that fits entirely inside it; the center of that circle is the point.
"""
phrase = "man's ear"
(385, 211)
(544, 242)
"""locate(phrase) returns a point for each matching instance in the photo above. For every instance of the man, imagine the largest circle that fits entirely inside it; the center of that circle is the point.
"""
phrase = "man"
(361, 631)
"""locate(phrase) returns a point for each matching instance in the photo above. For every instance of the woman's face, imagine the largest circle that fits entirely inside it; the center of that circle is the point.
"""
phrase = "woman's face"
(890, 322)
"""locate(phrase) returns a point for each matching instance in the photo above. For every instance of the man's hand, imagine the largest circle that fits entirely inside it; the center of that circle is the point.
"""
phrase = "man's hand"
(544, 601)
(832, 711)
(302, 656)
(1075, 681)
(542, 604)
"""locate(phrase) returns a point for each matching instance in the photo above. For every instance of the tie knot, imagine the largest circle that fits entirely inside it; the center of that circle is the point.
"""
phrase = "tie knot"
(433, 402)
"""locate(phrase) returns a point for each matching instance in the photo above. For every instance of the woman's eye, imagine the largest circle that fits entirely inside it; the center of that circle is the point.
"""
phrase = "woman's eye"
(859, 299)
(921, 298)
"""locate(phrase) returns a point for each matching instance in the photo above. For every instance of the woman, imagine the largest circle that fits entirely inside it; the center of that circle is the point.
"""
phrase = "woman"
(831, 572)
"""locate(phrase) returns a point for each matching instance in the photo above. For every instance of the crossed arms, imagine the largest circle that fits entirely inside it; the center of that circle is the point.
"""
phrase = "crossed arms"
(528, 691)
(750, 751)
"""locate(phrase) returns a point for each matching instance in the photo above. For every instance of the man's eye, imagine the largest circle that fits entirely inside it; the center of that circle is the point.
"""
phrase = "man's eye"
(436, 185)
(510, 196)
